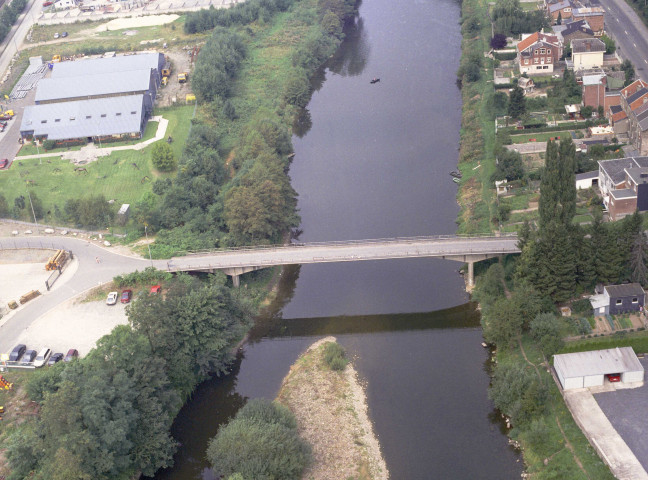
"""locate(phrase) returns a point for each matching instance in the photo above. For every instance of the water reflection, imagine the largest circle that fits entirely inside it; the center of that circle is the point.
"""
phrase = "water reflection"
(351, 58)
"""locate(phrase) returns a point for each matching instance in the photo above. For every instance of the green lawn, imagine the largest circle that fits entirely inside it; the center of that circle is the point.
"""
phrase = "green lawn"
(30, 149)
(539, 137)
(114, 176)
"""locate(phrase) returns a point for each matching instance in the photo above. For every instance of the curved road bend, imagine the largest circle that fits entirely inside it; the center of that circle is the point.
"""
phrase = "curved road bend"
(88, 274)
(630, 33)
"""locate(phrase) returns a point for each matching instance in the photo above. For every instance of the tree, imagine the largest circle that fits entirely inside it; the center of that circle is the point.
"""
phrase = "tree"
(545, 330)
(162, 157)
(586, 112)
(4, 206)
(298, 89)
(261, 442)
(498, 41)
(509, 166)
(610, 46)
(559, 19)
(491, 285)
(638, 259)
(549, 194)
(629, 70)
(517, 105)
(502, 323)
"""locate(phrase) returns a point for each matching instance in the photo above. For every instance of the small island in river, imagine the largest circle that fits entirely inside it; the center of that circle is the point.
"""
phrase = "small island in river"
(331, 412)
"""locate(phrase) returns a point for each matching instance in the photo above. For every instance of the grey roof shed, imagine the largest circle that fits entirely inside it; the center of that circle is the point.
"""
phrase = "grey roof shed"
(102, 66)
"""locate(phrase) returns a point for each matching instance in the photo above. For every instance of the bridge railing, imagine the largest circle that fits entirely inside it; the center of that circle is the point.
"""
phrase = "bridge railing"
(343, 243)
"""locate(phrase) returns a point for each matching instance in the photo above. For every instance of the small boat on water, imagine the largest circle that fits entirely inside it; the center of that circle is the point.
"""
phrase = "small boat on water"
(456, 174)
(374, 80)
(455, 179)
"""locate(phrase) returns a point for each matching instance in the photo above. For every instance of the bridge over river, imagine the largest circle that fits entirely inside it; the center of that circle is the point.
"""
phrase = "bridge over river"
(234, 262)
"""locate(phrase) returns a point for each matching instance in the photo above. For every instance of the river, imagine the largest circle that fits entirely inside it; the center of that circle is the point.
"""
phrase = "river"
(373, 160)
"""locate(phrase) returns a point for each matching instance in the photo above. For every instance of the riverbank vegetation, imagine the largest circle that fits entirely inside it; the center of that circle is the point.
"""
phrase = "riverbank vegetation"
(108, 415)
(560, 261)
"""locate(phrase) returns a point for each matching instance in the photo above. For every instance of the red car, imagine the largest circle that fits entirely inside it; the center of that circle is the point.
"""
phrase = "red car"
(155, 289)
(47, 4)
(126, 296)
(4, 162)
(614, 377)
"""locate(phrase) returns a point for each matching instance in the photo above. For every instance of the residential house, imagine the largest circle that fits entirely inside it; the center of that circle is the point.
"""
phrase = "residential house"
(594, 91)
(538, 53)
(561, 9)
(623, 183)
(595, 17)
(616, 299)
(573, 30)
(587, 180)
(587, 53)
(634, 103)
(526, 84)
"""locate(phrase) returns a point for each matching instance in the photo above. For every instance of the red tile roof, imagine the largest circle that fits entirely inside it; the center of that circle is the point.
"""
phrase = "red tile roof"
(536, 37)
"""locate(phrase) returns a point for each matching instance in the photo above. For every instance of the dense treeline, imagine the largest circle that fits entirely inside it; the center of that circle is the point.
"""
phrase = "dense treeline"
(202, 207)
(510, 19)
(9, 15)
(108, 415)
(239, 14)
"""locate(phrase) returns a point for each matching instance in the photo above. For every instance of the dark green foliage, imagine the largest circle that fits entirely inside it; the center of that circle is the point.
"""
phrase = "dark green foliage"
(93, 211)
(148, 276)
(610, 46)
(298, 89)
(500, 103)
(335, 356)
(239, 14)
(517, 392)
(470, 25)
(628, 68)
(217, 66)
(4, 206)
(162, 157)
(260, 443)
(510, 19)
(586, 112)
(509, 166)
(517, 104)
(638, 259)
(502, 322)
(49, 144)
(8, 16)
(568, 91)
(545, 330)
(490, 286)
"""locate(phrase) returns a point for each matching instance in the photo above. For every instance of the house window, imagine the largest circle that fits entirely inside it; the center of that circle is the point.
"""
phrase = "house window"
(548, 51)
(72, 119)
(88, 117)
(118, 114)
(535, 60)
(133, 112)
(43, 121)
(619, 301)
(548, 59)
(103, 115)
(545, 67)
(526, 62)
(635, 300)
(542, 51)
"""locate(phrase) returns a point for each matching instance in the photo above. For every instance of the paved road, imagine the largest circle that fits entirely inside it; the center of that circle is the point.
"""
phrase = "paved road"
(87, 275)
(346, 252)
(629, 32)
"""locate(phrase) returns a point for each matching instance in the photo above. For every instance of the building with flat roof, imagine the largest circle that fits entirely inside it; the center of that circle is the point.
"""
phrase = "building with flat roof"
(624, 185)
(588, 369)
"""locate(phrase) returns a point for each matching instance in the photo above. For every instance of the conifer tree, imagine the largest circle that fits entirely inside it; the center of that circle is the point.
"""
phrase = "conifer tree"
(638, 260)
(567, 181)
(549, 196)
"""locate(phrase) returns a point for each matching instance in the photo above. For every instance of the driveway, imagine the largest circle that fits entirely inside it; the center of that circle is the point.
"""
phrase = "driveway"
(88, 274)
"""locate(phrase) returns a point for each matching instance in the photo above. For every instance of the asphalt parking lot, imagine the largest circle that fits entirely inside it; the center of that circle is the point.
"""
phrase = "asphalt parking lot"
(627, 411)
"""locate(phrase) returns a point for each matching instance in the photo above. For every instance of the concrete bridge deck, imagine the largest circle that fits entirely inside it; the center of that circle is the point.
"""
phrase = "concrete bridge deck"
(466, 249)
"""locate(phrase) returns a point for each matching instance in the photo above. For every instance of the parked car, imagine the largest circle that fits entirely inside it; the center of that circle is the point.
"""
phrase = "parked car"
(57, 357)
(614, 377)
(112, 298)
(28, 357)
(56, 35)
(4, 162)
(71, 355)
(64, 34)
(47, 4)
(43, 357)
(17, 352)
(126, 296)
(156, 289)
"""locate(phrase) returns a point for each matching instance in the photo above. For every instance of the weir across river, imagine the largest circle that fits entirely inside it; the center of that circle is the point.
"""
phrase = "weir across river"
(234, 262)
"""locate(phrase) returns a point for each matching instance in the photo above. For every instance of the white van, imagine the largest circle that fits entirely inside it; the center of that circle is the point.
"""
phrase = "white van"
(42, 357)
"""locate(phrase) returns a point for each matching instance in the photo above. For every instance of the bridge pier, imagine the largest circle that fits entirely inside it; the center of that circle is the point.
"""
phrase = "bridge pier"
(470, 260)
(236, 272)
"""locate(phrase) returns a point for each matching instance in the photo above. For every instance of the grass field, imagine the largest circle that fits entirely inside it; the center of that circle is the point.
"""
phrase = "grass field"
(539, 137)
(55, 181)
